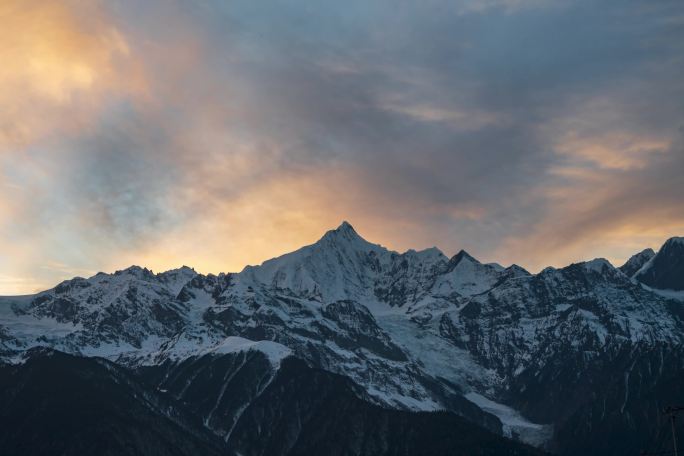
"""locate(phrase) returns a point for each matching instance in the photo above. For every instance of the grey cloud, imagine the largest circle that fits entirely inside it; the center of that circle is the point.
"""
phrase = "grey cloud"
(317, 79)
(341, 84)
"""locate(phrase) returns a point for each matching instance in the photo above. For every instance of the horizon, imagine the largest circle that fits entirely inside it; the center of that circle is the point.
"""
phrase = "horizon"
(221, 135)
(342, 224)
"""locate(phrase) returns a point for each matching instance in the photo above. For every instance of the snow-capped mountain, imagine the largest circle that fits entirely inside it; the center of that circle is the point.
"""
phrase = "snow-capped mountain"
(523, 355)
(636, 262)
(665, 270)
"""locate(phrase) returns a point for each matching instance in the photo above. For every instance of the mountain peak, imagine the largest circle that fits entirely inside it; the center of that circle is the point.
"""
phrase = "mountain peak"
(345, 226)
(665, 270)
(676, 240)
(136, 271)
(176, 279)
(346, 229)
(460, 256)
(182, 270)
(516, 270)
(636, 262)
(343, 232)
(598, 265)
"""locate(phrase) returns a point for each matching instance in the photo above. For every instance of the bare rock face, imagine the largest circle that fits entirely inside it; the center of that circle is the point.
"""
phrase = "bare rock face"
(665, 270)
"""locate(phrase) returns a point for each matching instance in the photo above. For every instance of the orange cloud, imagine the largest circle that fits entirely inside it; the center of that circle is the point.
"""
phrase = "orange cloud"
(283, 212)
(595, 134)
(597, 213)
(613, 149)
(461, 120)
(58, 60)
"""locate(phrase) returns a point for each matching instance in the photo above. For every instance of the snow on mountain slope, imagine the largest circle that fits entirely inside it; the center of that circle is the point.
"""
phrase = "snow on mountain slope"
(344, 266)
(342, 337)
(107, 314)
(466, 276)
(514, 424)
(665, 271)
(409, 276)
(274, 351)
(341, 265)
(583, 306)
(175, 279)
(636, 262)
(415, 330)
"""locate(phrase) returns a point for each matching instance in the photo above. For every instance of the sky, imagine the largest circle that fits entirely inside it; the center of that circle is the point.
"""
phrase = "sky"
(217, 134)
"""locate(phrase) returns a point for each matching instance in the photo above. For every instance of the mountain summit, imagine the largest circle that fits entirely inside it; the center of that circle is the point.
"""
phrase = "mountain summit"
(636, 262)
(665, 270)
(345, 230)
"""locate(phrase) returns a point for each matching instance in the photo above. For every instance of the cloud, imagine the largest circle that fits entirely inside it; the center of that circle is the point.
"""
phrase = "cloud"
(219, 134)
(60, 60)
(509, 6)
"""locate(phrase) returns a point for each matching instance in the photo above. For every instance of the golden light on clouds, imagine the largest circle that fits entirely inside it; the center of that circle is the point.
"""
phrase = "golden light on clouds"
(612, 149)
(593, 214)
(58, 61)
(280, 214)
(217, 135)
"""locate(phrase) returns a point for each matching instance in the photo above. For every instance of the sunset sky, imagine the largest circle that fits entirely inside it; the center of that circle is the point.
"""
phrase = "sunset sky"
(218, 134)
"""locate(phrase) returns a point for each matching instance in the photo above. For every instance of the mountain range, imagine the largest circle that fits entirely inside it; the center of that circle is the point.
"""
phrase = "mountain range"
(344, 347)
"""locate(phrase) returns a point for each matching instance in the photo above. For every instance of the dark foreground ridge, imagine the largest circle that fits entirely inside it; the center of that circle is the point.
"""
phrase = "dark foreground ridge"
(59, 404)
